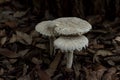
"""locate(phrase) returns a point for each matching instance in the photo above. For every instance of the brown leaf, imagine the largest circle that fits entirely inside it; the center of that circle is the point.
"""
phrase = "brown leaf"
(1, 71)
(42, 74)
(101, 53)
(4, 1)
(19, 14)
(11, 24)
(2, 79)
(54, 64)
(41, 46)
(23, 37)
(2, 33)
(110, 73)
(23, 52)
(13, 38)
(34, 34)
(95, 45)
(117, 38)
(77, 68)
(8, 53)
(26, 77)
(3, 40)
(90, 75)
(36, 61)
(100, 71)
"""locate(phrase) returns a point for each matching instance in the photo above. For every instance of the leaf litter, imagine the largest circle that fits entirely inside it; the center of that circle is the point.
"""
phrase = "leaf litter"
(24, 53)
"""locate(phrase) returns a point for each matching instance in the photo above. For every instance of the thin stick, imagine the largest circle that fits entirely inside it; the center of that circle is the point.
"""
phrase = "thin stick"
(52, 51)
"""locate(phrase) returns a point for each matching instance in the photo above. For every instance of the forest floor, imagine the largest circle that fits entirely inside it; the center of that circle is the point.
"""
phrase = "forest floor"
(24, 53)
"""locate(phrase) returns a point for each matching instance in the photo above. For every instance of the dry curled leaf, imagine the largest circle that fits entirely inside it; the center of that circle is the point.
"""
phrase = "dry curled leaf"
(8, 53)
(101, 53)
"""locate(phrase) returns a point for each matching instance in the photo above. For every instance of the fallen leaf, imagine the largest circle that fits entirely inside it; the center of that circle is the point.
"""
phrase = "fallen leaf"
(41, 46)
(3, 40)
(19, 14)
(54, 64)
(36, 61)
(2, 33)
(98, 46)
(23, 38)
(77, 68)
(117, 38)
(99, 69)
(2, 79)
(34, 34)
(13, 60)
(110, 73)
(26, 77)
(90, 75)
(11, 24)
(4, 1)
(42, 74)
(101, 53)
(1, 71)
(95, 45)
(8, 53)
(23, 52)
(13, 38)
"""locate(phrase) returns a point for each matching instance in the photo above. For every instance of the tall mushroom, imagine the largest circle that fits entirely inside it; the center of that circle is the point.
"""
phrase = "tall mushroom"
(71, 29)
(47, 28)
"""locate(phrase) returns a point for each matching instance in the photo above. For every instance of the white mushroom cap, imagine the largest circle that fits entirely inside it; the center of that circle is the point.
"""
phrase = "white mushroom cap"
(71, 26)
(71, 43)
(46, 28)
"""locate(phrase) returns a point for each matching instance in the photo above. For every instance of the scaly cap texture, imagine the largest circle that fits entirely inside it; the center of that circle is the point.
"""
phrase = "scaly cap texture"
(71, 26)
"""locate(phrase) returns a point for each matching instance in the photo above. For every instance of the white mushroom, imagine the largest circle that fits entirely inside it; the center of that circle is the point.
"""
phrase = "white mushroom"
(71, 26)
(69, 44)
(47, 28)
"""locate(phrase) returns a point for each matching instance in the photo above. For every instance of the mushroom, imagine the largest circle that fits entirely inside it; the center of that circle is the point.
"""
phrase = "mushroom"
(47, 28)
(69, 45)
(71, 30)
(71, 26)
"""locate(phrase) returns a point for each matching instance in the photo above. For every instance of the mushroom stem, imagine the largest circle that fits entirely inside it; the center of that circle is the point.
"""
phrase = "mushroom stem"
(51, 45)
(69, 59)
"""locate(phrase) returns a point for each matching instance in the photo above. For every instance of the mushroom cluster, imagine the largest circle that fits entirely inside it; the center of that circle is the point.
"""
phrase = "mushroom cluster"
(70, 31)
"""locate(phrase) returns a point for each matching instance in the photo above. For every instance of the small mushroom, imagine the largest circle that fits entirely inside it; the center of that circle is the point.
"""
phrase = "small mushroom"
(47, 28)
(71, 26)
(69, 44)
